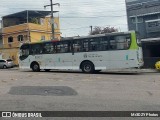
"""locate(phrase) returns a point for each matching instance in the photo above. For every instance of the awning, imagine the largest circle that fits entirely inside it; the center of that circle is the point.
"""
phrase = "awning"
(151, 40)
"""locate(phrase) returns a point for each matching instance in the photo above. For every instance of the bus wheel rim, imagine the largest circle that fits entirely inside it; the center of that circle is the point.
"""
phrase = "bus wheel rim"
(87, 68)
(35, 67)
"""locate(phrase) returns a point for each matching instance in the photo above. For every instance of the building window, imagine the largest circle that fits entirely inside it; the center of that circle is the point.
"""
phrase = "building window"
(42, 37)
(153, 24)
(41, 21)
(140, 19)
(133, 20)
(49, 23)
(20, 37)
(25, 37)
(137, 20)
(10, 39)
(55, 26)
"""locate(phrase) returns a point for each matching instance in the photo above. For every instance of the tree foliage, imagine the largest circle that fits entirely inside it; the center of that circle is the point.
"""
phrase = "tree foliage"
(102, 30)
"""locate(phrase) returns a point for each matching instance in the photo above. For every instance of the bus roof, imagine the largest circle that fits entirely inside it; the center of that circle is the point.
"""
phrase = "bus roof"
(98, 35)
(83, 37)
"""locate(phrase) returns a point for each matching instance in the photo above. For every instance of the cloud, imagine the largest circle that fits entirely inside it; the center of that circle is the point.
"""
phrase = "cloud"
(85, 13)
(113, 11)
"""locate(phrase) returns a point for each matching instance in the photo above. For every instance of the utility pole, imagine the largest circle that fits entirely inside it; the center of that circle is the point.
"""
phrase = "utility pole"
(91, 28)
(136, 20)
(52, 17)
(28, 34)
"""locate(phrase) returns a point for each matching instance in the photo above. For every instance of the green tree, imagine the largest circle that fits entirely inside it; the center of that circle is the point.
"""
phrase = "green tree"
(102, 30)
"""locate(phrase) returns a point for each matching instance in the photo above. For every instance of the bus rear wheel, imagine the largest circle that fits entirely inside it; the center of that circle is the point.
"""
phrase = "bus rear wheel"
(35, 67)
(87, 67)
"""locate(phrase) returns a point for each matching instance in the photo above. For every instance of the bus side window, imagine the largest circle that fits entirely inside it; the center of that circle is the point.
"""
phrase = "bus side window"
(85, 46)
(66, 47)
(58, 48)
(36, 49)
(112, 43)
(120, 42)
(94, 44)
(77, 46)
(48, 48)
(128, 41)
(103, 44)
(123, 42)
(70, 47)
(63, 47)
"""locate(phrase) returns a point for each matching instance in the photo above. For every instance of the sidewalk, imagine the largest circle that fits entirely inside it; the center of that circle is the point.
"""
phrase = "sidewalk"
(134, 71)
(149, 70)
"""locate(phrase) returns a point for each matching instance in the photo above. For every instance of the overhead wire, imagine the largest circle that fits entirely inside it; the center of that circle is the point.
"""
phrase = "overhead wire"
(74, 4)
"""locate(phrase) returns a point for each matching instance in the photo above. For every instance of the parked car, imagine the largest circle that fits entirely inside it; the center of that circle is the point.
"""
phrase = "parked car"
(157, 65)
(6, 63)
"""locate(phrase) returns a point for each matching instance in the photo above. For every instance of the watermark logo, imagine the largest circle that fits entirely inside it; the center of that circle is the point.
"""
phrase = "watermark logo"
(6, 114)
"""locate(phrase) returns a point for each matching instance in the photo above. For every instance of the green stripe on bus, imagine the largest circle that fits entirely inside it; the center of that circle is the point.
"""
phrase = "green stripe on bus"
(134, 41)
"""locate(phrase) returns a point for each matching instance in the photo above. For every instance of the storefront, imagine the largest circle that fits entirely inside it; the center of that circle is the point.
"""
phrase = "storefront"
(151, 51)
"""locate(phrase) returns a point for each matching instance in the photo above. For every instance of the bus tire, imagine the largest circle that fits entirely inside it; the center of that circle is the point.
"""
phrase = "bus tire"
(35, 67)
(87, 67)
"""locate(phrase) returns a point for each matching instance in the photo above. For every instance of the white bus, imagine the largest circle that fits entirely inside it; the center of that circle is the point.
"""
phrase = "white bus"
(90, 53)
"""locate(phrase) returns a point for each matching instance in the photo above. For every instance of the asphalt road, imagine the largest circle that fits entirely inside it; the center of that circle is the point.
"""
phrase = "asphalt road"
(75, 91)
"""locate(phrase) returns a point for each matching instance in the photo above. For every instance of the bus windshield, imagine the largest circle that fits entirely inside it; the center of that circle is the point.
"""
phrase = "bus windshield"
(24, 52)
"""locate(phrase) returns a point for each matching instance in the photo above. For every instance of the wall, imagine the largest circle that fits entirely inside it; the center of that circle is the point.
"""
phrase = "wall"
(33, 32)
(146, 11)
(10, 54)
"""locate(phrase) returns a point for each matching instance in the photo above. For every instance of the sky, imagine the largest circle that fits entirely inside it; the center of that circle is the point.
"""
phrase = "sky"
(76, 16)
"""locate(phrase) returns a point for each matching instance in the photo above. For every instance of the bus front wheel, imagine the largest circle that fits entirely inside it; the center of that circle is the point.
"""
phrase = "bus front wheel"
(35, 67)
(87, 67)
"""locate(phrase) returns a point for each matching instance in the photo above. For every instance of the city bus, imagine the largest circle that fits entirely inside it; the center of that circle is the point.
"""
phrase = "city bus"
(90, 54)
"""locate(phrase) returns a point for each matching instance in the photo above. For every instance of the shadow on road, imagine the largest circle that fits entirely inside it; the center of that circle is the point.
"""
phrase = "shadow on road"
(102, 73)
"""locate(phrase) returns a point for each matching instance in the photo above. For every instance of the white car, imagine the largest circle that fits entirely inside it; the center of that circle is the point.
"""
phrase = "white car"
(6, 63)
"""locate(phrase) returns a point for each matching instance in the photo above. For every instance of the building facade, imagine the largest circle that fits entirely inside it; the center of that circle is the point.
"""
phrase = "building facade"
(26, 26)
(144, 17)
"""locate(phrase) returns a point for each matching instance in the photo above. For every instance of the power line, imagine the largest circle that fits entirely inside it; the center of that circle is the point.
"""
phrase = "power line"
(91, 16)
